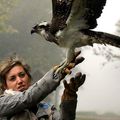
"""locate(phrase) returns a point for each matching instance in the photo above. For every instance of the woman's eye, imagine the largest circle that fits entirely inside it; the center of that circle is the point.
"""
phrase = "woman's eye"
(13, 78)
(22, 74)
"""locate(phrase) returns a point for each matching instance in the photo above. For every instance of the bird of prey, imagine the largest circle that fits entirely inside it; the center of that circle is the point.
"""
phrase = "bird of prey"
(71, 26)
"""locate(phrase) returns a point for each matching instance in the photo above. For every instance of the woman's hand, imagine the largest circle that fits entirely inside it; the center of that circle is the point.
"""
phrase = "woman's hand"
(71, 88)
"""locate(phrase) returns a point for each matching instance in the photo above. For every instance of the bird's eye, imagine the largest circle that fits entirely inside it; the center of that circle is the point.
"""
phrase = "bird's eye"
(35, 27)
(42, 26)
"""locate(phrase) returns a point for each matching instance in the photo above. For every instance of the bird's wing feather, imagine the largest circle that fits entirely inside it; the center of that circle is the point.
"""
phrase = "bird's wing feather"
(60, 12)
(84, 13)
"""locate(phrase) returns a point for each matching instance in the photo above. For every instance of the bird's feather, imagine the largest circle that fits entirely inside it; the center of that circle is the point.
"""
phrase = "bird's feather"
(84, 13)
(73, 20)
(60, 13)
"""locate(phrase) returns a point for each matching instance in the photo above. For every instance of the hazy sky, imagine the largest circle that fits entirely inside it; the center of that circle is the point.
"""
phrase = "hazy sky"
(110, 16)
(101, 89)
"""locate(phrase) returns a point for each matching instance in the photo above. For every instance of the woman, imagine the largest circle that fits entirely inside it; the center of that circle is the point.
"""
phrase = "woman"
(23, 101)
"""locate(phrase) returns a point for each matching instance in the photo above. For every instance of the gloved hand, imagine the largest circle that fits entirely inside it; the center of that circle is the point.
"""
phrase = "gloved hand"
(71, 88)
(67, 70)
(46, 81)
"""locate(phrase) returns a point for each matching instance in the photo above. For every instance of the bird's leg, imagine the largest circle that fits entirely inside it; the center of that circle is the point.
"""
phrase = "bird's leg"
(69, 58)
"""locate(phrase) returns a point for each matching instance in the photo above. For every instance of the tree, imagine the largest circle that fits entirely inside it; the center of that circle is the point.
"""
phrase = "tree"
(5, 8)
(38, 52)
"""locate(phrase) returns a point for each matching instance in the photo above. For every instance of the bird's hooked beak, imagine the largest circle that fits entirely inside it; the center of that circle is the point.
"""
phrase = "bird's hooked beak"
(33, 31)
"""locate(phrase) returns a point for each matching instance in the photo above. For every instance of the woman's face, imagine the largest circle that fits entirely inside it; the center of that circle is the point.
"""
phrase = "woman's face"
(17, 79)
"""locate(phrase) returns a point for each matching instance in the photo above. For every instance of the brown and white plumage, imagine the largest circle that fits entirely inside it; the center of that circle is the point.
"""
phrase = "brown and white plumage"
(71, 24)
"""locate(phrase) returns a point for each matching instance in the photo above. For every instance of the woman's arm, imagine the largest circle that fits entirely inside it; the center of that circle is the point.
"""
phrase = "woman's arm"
(11, 104)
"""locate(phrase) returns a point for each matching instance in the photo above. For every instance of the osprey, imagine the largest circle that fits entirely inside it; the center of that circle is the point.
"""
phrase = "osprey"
(71, 26)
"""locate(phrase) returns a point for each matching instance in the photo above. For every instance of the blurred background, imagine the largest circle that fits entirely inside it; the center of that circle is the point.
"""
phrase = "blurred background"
(98, 98)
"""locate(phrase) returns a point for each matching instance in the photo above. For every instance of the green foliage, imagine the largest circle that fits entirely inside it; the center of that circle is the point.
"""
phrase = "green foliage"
(39, 53)
(5, 8)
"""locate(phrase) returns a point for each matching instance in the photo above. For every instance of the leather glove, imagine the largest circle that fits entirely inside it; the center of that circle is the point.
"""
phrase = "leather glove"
(67, 70)
(71, 88)
(49, 76)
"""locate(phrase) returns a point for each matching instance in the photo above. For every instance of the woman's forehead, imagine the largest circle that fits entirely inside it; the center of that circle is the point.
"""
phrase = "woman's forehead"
(15, 69)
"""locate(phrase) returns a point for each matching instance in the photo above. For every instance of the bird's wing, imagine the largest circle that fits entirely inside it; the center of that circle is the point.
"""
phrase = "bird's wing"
(60, 12)
(84, 13)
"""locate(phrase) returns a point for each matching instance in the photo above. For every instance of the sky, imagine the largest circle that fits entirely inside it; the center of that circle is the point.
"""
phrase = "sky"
(109, 17)
(100, 91)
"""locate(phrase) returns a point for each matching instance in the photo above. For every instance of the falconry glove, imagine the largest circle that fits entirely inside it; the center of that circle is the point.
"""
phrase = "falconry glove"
(71, 88)
(67, 70)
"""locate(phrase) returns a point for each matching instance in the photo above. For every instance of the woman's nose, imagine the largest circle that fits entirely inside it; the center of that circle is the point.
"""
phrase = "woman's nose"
(19, 80)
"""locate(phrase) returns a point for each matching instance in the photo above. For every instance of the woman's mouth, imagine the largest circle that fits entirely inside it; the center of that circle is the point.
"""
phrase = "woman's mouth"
(21, 88)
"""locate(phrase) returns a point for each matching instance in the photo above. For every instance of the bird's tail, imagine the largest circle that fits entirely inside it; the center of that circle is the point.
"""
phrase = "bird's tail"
(104, 38)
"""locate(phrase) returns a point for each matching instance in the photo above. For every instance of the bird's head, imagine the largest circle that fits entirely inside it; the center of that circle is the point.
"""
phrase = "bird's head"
(43, 29)
(38, 28)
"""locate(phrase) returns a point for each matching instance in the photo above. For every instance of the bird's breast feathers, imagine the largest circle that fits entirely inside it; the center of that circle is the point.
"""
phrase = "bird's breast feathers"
(72, 38)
